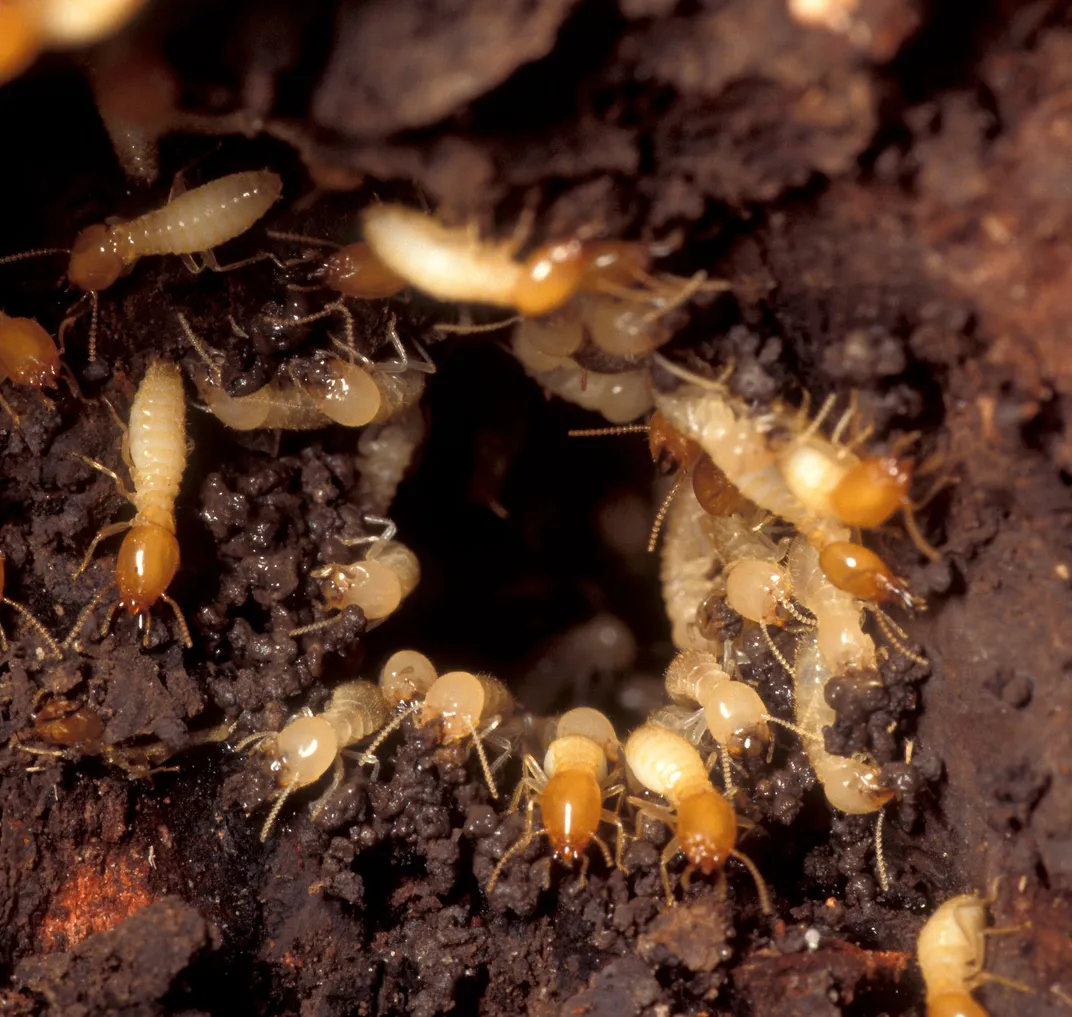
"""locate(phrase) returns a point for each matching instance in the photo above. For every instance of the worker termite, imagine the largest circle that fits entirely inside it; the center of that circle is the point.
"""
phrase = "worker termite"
(619, 397)
(460, 704)
(951, 950)
(311, 744)
(378, 584)
(570, 789)
(851, 785)
(25, 612)
(731, 710)
(739, 445)
(703, 822)
(191, 223)
(149, 555)
(341, 391)
(454, 264)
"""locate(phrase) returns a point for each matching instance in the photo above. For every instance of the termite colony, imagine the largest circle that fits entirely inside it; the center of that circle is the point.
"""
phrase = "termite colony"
(762, 557)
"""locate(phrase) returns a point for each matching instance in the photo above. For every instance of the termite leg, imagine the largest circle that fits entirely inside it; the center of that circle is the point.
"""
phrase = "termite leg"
(108, 531)
(335, 307)
(337, 775)
(180, 618)
(494, 326)
(119, 485)
(368, 756)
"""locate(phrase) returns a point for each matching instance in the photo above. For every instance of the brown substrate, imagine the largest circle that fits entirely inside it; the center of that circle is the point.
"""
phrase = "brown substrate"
(891, 207)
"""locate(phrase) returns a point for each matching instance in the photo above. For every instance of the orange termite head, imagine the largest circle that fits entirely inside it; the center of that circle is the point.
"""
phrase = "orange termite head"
(859, 571)
(954, 1004)
(571, 805)
(355, 271)
(147, 562)
(871, 491)
(706, 830)
(713, 490)
(28, 356)
(550, 276)
(670, 449)
(96, 260)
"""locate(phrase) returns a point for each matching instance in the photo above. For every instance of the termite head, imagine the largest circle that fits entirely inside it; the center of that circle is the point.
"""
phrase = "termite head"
(812, 471)
(871, 491)
(755, 588)
(354, 271)
(571, 805)
(549, 277)
(454, 702)
(147, 562)
(63, 723)
(28, 356)
(954, 1004)
(859, 571)
(303, 751)
(406, 676)
(370, 585)
(349, 396)
(670, 449)
(706, 830)
(96, 259)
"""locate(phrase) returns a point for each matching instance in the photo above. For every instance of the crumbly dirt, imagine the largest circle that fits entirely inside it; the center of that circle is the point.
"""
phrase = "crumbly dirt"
(887, 196)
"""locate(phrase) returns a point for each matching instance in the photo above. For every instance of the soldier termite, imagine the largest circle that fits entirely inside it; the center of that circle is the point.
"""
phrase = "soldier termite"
(149, 555)
(310, 745)
(570, 789)
(194, 222)
(702, 820)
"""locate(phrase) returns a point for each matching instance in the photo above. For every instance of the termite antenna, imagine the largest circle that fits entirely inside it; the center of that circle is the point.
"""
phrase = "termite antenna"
(276, 809)
(880, 855)
(824, 412)
(892, 631)
(478, 744)
(526, 838)
(35, 624)
(761, 883)
(318, 626)
(38, 252)
(713, 384)
(180, 619)
(660, 516)
(301, 238)
(388, 533)
(493, 326)
(94, 314)
(85, 613)
(606, 432)
(778, 655)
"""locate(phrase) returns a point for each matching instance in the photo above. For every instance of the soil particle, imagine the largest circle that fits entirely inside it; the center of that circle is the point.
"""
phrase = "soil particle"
(126, 970)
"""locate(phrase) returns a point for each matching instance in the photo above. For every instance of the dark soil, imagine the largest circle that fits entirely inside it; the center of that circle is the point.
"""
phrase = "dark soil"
(891, 205)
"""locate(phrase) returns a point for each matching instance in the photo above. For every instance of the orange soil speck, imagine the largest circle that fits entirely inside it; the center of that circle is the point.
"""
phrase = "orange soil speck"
(94, 899)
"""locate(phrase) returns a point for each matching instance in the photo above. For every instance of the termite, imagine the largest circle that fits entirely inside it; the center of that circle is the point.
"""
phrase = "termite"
(460, 704)
(703, 822)
(732, 711)
(454, 264)
(378, 584)
(951, 950)
(344, 392)
(28, 356)
(859, 571)
(619, 397)
(384, 455)
(30, 618)
(834, 481)
(78, 730)
(311, 744)
(570, 789)
(191, 223)
(851, 785)
(149, 555)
